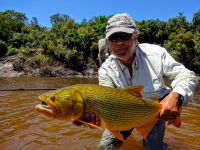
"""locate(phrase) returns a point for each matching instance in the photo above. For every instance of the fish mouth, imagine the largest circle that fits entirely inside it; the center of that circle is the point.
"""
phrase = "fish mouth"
(46, 109)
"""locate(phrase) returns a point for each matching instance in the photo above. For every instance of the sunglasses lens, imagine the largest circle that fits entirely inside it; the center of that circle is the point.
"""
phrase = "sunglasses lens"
(118, 37)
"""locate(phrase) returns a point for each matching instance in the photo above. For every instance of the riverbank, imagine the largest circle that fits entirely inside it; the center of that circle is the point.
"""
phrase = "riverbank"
(7, 69)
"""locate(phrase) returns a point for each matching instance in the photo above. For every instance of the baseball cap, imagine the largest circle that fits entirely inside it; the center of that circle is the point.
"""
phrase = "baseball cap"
(120, 23)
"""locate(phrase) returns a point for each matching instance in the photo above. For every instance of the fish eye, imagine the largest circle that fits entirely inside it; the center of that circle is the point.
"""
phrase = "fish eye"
(52, 98)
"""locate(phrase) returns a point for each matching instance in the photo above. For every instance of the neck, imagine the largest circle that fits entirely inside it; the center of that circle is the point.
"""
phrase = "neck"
(128, 63)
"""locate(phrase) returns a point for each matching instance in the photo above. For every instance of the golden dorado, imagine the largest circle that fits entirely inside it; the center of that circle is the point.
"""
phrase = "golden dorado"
(118, 109)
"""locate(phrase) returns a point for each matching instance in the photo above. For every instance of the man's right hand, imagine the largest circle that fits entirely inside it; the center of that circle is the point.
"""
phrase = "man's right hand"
(89, 118)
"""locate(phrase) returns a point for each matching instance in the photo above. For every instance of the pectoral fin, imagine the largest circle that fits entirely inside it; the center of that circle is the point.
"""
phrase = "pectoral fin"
(117, 135)
(90, 125)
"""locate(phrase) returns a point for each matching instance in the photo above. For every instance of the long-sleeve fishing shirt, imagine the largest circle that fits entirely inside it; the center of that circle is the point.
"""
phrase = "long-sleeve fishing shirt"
(152, 67)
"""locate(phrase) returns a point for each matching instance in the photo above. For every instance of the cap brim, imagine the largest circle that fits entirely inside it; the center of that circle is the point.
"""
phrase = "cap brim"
(119, 29)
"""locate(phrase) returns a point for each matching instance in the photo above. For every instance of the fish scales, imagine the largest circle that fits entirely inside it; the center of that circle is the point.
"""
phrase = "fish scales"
(117, 108)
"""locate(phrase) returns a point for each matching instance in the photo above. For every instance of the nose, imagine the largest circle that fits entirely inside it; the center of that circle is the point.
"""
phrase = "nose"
(119, 42)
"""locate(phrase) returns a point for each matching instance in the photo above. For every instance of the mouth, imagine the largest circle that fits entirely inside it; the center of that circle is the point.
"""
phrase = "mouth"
(45, 108)
(121, 48)
(45, 105)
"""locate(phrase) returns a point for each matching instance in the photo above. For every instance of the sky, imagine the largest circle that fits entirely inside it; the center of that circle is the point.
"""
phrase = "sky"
(86, 9)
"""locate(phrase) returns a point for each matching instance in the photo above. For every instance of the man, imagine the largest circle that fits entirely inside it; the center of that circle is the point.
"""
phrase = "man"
(132, 64)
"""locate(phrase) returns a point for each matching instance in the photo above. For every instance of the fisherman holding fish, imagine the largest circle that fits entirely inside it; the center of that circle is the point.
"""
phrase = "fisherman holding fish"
(117, 103)
(132, 63)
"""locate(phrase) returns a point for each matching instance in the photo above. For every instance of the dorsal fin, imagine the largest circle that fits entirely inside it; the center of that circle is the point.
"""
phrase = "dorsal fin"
(135, 90)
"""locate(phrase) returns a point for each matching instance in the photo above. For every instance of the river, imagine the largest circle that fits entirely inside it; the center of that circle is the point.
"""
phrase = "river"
(23, 128)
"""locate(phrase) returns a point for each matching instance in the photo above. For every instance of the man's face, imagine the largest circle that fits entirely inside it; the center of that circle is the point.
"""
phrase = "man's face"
(122, 45)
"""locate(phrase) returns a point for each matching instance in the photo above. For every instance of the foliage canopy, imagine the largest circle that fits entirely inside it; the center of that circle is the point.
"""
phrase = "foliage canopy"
(74, 45)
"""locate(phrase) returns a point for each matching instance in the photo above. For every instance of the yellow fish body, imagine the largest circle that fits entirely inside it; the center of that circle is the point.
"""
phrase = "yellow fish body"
(118, 109)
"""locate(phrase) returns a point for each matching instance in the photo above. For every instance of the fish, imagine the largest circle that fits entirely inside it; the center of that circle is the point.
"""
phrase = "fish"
(119, 109)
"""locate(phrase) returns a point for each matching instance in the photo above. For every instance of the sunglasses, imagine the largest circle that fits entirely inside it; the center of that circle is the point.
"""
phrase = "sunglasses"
(120, 37)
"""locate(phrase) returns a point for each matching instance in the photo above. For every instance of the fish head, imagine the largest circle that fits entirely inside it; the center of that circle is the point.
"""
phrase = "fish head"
(64, 104)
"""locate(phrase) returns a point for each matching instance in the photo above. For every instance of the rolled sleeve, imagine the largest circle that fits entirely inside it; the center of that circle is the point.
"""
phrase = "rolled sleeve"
(182, 80)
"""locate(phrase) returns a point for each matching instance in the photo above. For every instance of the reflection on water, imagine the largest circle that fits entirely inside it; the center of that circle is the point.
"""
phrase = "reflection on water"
(22, 128)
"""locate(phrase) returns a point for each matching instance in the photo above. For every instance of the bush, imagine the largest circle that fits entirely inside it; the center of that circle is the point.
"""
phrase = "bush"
(3, 48)
(75, 60)
(12, 50)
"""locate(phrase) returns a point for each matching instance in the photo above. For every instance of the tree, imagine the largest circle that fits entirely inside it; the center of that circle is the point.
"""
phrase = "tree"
(196, 21)
(11, 22)
(3, 48)
(99, 25)
(182, 47)
(152, 31)
(177, 23)
(34, 22)
(56, 18)
(15, 15)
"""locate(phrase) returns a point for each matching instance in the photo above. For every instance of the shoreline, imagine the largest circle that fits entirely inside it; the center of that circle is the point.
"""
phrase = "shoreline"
(7, 70)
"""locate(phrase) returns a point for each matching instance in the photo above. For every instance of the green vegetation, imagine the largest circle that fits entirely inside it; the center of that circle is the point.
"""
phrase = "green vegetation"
(74, 45)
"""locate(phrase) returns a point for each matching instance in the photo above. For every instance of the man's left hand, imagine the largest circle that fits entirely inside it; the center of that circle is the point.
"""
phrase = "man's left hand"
(170, 108)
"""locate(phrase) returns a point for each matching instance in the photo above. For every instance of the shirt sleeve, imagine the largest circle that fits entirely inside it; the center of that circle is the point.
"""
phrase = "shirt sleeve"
(104, 78)
(182, 80)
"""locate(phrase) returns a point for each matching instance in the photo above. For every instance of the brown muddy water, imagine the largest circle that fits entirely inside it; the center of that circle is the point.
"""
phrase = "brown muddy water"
(23, 128)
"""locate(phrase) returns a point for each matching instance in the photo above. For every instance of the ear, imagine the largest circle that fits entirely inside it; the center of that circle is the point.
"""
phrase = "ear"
(135, 36)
